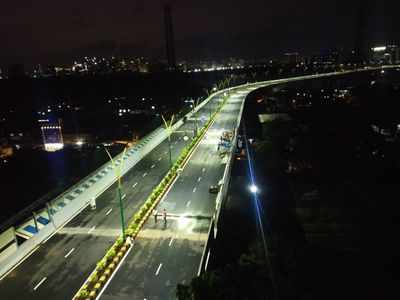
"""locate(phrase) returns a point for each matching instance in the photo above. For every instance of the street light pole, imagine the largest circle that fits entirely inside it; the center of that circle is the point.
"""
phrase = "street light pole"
(168, 127)
(119, 189)
(195, 104)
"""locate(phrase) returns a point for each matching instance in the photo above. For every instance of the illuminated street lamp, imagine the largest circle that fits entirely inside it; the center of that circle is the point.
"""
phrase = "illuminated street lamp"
(253, 188)
(117, 169)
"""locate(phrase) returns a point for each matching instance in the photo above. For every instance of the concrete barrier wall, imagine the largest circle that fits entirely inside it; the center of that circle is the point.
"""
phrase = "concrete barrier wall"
(61, 217)
(11, 257)
(8, 243)
(24, 249)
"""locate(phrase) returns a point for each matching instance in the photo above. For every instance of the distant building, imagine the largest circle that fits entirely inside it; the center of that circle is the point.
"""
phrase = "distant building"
(169, 37)
(52, 136)
(328, 56)
(385, 54)
(291, 58)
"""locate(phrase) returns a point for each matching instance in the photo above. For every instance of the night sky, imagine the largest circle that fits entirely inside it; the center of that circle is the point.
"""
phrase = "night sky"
(50, 31)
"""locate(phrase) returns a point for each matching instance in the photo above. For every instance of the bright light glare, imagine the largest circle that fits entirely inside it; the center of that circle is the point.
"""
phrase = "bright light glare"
(185, 138)
(183, 222)
(379, 49)
(51, 147)
(253, 188)
(79, 143)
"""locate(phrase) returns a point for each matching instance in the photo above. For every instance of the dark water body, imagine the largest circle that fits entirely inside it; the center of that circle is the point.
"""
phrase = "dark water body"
(34, 174)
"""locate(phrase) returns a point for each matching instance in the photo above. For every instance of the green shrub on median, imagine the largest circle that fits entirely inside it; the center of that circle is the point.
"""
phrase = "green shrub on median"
(83, 293)
(107, 264)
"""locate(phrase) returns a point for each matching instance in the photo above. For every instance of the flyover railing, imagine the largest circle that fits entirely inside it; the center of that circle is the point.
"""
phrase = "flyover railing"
(213, 229)
(78, 197)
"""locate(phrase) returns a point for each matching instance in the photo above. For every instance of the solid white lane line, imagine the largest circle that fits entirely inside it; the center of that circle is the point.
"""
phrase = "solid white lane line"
(199, 179)
(109, 211)
(194, 190)
(203, 170)
(91, 229)
(153, 166)
(133, 186)
(170, 242)
(158, 269)
(113, 274)
(123, 196)
(188, 203)
(40, 282)
(208, 257)
(160, 159)
(165, 152)
(144, 175)
(69, 253)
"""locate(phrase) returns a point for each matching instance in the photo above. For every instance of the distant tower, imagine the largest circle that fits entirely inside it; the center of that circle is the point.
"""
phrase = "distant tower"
(169, 37)
(360, 40)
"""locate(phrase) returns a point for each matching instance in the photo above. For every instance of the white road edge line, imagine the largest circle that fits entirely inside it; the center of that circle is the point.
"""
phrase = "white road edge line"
(133, 186)
(158, 269)
(170, 242)
(113, 274)
(69, 253)
(40, 282)
(91, 229)
(208, 257)
(109, 211)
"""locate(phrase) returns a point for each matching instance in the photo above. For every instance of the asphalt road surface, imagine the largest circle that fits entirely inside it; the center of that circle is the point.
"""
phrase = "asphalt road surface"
(166, 254)
(58, 268)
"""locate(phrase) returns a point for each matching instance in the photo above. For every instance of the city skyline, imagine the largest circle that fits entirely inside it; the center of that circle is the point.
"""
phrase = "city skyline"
(45, 33)
(171, 149)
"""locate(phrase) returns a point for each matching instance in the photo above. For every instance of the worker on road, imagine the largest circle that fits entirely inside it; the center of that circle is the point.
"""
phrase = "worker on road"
(155, 216)
(165, 215)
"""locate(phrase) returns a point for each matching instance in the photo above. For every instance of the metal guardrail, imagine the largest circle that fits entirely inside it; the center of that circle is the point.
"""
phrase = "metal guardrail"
(49, 229)
(79, 202)
(225, 179)
(40, 203)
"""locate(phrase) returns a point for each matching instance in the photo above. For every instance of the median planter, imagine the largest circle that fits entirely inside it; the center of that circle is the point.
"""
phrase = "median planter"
(107, 272)
(92, 295)
(102, 279)
(106, 266)
(97, 286)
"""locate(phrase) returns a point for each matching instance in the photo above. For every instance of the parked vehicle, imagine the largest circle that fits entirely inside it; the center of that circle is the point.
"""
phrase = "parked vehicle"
(214, 189)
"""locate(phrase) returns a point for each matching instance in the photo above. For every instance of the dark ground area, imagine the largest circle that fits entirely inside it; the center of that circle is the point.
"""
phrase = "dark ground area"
(328, 188)
(36, 175)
